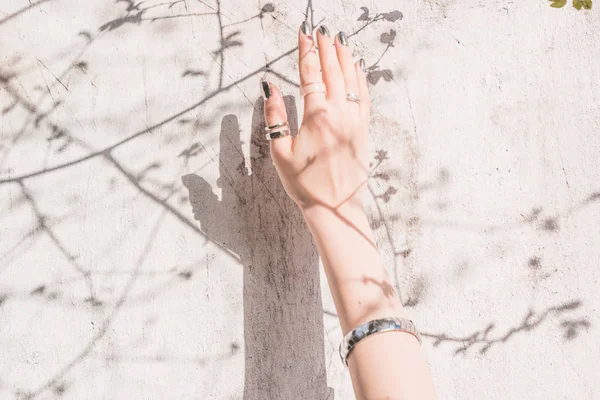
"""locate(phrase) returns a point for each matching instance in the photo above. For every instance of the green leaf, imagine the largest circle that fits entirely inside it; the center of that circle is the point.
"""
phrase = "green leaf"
(558, 3)
(587, 4)
(577, 4)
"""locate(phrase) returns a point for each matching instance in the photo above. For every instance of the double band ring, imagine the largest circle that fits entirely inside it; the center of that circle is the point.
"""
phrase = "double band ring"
(277, 131)
(312, 87)
(352, 97)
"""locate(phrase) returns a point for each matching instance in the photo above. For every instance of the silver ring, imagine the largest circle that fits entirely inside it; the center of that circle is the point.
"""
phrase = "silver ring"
(277, 131)
(352, 97)
(275, 126)
(277, 134)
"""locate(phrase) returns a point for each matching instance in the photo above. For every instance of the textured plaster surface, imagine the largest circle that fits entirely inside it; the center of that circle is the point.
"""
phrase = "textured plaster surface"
(148, 251)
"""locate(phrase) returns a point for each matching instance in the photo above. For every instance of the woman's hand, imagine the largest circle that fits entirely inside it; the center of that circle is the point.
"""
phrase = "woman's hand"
(326, 164)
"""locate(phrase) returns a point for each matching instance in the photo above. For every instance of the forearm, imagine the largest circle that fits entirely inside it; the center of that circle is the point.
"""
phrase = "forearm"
(386, 366)
(357, 278)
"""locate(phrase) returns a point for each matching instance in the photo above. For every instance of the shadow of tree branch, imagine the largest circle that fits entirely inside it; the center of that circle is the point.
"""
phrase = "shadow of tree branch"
(485, 339)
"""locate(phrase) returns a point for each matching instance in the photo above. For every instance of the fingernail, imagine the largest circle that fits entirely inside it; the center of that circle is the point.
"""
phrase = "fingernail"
(266, 89)
(324, 31)
(343, 38)
(305, 27)
(362, 64)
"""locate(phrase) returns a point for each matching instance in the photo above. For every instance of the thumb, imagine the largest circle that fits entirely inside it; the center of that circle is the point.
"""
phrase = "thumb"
(275, 114)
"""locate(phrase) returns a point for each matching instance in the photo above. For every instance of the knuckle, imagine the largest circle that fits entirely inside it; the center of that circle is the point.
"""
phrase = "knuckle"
(350, 84)
(318, 116)
(331, 67)
(329, 142)
(309, 68)
(276, 152)
(272, 113)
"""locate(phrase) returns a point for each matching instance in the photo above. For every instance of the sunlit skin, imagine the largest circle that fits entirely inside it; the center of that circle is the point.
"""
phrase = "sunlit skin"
(324, 169)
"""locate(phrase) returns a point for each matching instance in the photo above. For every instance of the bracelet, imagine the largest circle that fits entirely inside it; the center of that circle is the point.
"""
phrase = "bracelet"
(373, 327)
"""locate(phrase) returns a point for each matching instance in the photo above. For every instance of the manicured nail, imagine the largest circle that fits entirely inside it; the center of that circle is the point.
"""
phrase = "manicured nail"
(305, 27)
(324, 31)
(362, 64)
(343, 38)
(266, 89)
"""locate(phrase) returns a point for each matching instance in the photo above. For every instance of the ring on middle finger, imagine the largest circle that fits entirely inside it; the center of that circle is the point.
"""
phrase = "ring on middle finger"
(312, 87)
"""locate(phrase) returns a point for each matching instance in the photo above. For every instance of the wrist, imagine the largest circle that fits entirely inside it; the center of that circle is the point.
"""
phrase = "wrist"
(329, 221)
(321, 215)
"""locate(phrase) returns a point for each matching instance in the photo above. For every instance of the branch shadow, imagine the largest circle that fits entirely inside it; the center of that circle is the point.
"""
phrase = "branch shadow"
(22, 10)
(485, 338)
(283, 316)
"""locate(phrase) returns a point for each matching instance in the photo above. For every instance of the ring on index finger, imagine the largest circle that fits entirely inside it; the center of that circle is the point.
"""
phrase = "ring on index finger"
(277, 131)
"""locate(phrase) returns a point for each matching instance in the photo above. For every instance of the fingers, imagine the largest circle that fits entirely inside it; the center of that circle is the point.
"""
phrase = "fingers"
(275, 114)
(308, 64)
(344, 56)
(333, 66)
(330, 67)
(363, 88)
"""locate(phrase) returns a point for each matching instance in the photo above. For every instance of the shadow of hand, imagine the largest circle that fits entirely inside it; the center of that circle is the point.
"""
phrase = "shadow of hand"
(283, 318)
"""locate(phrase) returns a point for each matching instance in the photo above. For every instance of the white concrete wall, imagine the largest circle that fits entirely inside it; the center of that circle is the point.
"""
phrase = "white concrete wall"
(147, 250)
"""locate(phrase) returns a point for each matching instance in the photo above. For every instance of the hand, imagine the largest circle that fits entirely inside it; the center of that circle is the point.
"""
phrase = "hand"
(326, 164)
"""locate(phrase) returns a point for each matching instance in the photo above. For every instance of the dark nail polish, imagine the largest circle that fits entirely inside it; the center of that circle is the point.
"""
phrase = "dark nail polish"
(324, 31)
(343, 38)
(362, 64)
(305, 27)
(266, 89)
